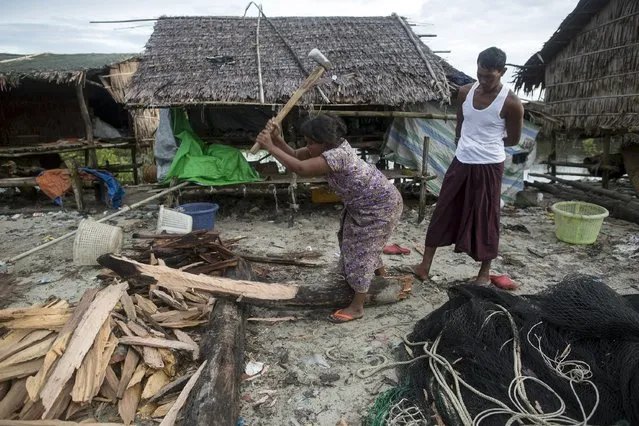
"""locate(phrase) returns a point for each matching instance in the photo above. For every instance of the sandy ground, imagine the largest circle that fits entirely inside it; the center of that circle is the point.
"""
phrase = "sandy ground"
(311, 376)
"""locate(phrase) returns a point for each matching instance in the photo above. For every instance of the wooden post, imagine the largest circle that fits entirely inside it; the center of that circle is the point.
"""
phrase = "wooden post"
(423, 180)
(76, 183)
(134, 152)
(605, 160)
(552, 157)
(172, 197)
(90, 156)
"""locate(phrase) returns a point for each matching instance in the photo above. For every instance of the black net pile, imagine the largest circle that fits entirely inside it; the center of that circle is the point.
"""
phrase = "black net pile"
(581, 315)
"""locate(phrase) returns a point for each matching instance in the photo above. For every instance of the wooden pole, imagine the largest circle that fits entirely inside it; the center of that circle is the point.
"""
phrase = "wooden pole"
(76, 183)
(394, 114)
(588, 188)
(91, 158)
(422, 188)
(605, 179)
(134, 154)
(553, 154)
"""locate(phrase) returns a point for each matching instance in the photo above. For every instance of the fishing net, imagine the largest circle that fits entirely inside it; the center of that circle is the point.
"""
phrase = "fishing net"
(394, 407)
(569, 355)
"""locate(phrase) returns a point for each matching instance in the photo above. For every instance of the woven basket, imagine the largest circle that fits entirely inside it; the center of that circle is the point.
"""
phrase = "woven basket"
(93, 239)
(577, 222)
(173, 222)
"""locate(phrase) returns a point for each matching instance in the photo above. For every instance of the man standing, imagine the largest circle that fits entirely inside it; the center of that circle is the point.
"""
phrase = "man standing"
(468, 209)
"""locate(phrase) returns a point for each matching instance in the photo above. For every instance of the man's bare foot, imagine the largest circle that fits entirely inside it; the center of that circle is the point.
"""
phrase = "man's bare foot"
(481, 279)
(419, 271)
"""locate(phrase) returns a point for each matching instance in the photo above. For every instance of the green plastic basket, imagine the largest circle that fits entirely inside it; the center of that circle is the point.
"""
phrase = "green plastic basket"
(577, 222)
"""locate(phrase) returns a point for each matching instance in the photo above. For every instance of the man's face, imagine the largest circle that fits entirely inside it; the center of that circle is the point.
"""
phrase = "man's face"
(489, 78)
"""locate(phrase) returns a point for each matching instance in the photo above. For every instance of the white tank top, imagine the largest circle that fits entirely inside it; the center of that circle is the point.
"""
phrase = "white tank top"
(482, 132)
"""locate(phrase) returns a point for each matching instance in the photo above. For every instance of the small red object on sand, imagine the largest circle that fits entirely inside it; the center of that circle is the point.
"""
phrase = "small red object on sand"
(396, 249)
(504, 282)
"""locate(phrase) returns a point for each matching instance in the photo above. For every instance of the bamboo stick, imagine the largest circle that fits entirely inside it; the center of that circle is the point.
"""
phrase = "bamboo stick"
(104, 219)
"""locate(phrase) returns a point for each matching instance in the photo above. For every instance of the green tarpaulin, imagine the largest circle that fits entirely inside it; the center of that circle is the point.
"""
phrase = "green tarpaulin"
(213, 165)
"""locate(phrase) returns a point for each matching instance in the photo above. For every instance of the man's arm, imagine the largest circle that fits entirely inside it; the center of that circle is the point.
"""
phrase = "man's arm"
(461, 97)
(514, 115)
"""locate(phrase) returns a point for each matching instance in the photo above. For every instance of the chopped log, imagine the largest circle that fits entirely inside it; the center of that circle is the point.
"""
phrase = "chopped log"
(37, 350)
(27, 341)
(138, 375)
(129, 308)
(174, 386)
(171, 416)
(156, 342)
(81, 341)
(130, 365)
(215, 401)
(170, 301)
(35, 383)
(14, 400)
(128, 405)
(383, 290)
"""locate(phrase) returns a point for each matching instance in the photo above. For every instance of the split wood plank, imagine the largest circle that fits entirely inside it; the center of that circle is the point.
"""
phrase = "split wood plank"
(174, 386)
(81, 341)
(10, 339)
(138, 375)
(50, 321)
(151, 356)
(128, 405)
(171, 417)
(156, 342)
(4, 389)
(145, 304)
(130, 364)
(129, 308)
(170, 301)
(37, 350)
(35, 383)
(59, 406)
(185, 338)
(31, 338)
(18, 371)
(21, 313)
(14, 400)
(176, 316)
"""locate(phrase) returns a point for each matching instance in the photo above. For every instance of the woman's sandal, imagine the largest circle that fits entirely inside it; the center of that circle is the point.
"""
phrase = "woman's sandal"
(339, 317)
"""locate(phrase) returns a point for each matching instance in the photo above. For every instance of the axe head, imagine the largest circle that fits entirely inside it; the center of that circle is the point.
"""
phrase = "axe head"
(318, 57)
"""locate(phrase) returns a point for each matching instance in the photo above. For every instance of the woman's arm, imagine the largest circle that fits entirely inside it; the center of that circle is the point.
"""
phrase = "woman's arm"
(316, 166)
(278, 141)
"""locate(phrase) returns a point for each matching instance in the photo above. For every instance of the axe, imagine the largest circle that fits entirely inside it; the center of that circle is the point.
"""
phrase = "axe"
(324, 65)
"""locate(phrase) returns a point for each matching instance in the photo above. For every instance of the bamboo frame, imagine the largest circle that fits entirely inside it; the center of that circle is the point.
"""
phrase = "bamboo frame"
(596, 52)
(629, 95)
(394, 114)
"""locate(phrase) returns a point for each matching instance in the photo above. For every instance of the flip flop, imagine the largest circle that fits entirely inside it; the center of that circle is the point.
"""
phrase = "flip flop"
(503, 282)
(395, 249)
(338, 317)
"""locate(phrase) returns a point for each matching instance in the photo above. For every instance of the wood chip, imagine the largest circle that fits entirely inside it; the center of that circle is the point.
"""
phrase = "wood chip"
(170, 361)
(129, 308)
(145, 304)
(137, 376)
(154, 383)
(163, 410)
(169, 300)
(156, 342)
(185, 338)
(171, 417)
(81, 341)
(36, 350)
(130, 365)
(128, 405)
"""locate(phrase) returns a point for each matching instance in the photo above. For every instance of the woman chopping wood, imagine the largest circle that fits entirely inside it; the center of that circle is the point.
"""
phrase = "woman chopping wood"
(372, 204)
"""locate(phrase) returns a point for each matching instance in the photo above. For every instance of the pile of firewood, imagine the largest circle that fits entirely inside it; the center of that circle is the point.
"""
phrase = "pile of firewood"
(114, 349)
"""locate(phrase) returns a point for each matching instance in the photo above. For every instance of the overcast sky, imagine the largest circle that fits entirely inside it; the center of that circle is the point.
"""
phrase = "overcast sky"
(465, 27)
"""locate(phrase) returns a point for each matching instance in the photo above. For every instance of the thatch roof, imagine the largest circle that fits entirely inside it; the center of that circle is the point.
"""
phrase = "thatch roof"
(590, 67)
(199, 60)
(56, 68)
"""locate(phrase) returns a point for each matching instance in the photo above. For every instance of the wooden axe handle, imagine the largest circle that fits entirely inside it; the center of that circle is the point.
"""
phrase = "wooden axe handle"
(308, 83)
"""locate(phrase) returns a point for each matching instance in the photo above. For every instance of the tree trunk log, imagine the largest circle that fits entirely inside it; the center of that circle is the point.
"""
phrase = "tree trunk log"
(215, 399)
(383, 290)
(618, 209)
(589, 188)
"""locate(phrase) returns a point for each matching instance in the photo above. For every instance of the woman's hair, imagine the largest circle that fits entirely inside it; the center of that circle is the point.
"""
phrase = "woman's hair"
(326, 129)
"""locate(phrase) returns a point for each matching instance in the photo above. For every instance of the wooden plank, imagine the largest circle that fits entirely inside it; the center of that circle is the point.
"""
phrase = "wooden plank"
(18, 371)
(168, 300)
(81, 341)
(130, 364)
(37, 350)
(129, 308)
(35, 383)
(151, 356)
(92, 371)
(145, 304)
(10, 339)
(156, 342)
(171, 417)
(31, 338)
(128, 405)
(51, 321)
(14, 400)
(20, 313)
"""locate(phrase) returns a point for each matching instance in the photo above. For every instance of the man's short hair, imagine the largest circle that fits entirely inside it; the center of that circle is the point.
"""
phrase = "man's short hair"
(492, 58)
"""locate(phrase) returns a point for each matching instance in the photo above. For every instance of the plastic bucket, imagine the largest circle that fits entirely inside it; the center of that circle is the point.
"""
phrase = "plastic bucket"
(203, 214)
(173, 222)
(577, 222)
(93, 239)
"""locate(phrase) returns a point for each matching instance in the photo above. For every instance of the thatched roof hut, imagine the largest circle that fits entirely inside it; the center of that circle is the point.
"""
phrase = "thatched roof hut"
(590, 68)
(39, 101)
(214, 60)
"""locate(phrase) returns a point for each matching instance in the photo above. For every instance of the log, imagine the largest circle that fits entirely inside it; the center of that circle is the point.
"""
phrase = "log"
(383, 290)
(14, 400)
(215, 401)
(589, 188)
(617, 208)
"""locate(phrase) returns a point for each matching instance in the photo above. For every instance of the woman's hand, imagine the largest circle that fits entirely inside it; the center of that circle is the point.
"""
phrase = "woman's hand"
(264, 139)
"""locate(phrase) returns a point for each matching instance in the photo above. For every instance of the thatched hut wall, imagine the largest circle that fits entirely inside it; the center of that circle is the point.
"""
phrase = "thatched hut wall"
(590, 68)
